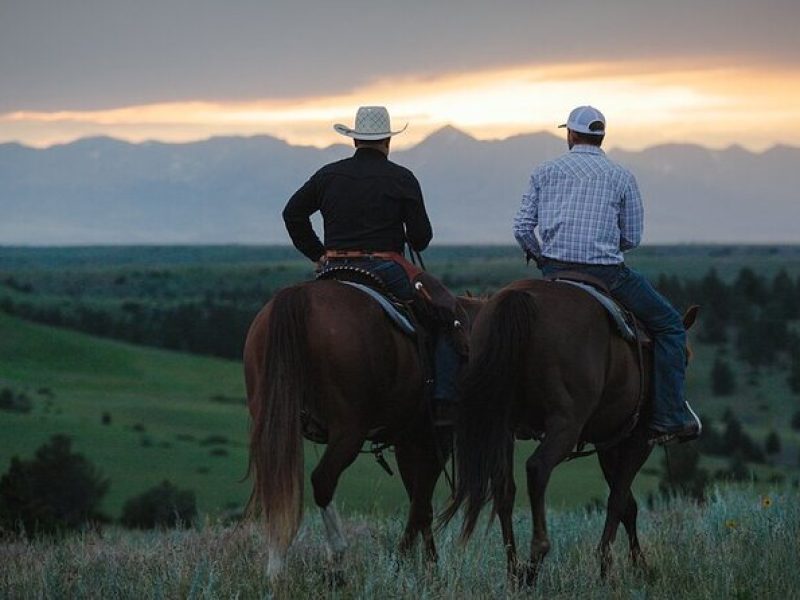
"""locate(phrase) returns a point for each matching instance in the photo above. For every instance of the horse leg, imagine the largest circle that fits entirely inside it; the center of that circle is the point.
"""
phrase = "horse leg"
(420, 465)
(620, 466)
(337, 543)
(340, 452)
(504, 493)
(560, 438)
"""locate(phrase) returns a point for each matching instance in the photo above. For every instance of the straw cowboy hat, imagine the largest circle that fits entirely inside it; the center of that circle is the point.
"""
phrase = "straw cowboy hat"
(372, 123)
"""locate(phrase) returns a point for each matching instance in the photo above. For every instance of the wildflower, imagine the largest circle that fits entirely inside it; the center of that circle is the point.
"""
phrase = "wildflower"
(766, 501)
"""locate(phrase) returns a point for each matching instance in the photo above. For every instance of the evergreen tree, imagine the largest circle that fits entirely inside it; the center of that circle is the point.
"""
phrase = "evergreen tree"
(672, 289)
(794, 370)
(162, 506)
(682, 474)
(796, 421)
(760, 341)
(716, 295)
(723, 381)
(772, 445)
(784, 297)
(751, 287)
(736, 441)
(57, 490)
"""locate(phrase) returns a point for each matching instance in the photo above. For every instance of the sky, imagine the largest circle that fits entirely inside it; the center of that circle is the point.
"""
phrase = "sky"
(712, 72)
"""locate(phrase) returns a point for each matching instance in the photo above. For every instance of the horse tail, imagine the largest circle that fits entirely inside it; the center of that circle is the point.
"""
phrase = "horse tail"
(483, 443)
(276, 442)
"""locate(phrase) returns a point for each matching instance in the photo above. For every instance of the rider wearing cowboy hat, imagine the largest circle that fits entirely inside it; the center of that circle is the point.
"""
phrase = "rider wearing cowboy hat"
(371, 207)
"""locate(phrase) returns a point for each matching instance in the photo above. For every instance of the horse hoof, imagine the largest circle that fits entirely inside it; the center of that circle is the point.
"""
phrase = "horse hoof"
(531, 574)
(336, 579)
(523, 575)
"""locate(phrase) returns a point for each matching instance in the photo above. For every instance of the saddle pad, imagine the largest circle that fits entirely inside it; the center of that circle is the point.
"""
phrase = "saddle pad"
(612, 307)
(390, 309)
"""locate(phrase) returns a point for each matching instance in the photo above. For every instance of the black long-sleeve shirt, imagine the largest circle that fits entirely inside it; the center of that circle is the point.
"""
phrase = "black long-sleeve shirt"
(367, 203)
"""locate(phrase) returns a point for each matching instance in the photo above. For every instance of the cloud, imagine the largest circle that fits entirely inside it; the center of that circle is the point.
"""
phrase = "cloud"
(645, 102)
(102, 54)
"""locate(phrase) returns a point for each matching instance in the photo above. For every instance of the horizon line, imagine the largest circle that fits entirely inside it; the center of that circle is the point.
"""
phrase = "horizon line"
(235, 136)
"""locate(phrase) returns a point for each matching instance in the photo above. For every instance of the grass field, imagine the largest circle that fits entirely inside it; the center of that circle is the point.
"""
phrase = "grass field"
(740, 544)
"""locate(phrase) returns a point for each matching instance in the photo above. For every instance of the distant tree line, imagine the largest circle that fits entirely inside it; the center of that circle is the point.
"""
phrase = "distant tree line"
(752, 313)
(208, 327)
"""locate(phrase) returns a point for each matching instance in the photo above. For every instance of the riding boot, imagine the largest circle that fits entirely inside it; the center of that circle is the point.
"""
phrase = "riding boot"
(447, 363)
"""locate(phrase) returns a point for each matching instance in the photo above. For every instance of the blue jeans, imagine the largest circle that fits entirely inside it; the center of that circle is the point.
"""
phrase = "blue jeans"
(632, 290)
(393, 275)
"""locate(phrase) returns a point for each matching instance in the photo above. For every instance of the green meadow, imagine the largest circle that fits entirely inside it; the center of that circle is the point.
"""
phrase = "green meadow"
(177, 417)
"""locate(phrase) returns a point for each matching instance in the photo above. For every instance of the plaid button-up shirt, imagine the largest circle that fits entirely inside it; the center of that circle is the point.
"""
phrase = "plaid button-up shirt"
(586, 209)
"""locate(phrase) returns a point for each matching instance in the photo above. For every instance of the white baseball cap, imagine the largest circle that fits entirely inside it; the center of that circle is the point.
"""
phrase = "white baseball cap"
(586, 119)
(372, 123)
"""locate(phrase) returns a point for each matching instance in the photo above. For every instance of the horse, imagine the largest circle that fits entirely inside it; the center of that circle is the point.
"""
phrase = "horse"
(326, 351)
(545, 358)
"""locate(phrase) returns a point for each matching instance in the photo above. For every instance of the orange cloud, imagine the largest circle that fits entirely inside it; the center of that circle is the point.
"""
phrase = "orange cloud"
(645, 103)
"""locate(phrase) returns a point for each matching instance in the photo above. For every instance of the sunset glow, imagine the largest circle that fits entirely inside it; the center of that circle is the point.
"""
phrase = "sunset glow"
(645, 104)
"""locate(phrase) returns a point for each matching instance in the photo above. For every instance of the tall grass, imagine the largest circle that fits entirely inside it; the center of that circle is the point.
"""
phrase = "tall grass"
(740, 544)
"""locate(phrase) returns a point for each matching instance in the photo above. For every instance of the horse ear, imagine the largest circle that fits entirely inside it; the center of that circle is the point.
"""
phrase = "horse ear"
(690, 316)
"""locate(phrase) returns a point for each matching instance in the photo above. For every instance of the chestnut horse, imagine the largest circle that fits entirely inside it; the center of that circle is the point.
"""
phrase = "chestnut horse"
(328, 350)
(546, 358)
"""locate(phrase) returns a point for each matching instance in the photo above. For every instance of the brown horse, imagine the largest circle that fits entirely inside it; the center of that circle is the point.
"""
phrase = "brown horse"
(327, 350)
(546, 358)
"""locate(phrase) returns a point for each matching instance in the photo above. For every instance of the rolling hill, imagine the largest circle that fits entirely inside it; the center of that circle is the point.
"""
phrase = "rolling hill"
(182, 418)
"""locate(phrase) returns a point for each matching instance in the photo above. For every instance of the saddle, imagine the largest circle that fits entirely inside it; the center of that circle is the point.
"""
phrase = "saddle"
(361, 279)
(629, 327)
(433, 305)
(416, 319)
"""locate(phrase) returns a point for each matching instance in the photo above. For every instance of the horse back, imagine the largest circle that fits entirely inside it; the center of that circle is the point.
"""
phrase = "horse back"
(361, 369)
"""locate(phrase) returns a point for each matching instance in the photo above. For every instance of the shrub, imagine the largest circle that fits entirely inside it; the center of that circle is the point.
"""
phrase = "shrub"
(57, 490)
(13, 402)
(212, 440)
(161, 506)
(737, 469)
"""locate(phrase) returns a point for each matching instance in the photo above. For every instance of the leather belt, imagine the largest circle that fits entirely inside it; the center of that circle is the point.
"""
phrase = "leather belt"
(333, 254)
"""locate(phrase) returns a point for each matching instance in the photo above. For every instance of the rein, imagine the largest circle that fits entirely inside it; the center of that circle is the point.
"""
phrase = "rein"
(416, 256)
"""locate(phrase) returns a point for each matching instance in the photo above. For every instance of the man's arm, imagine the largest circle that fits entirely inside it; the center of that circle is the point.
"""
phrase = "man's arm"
(526, 220)
(418, 226)
(304, 203)
(631, 216)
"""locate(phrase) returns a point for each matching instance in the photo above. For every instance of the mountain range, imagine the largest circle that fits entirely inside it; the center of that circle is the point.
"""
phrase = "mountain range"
(232, 189)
